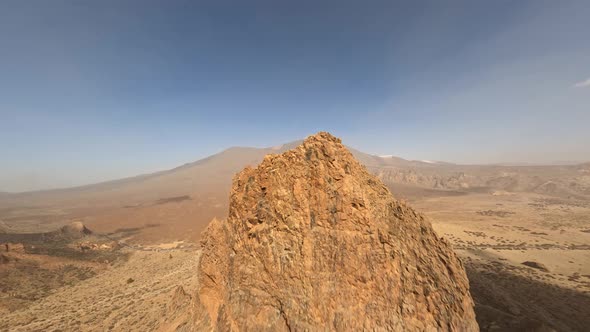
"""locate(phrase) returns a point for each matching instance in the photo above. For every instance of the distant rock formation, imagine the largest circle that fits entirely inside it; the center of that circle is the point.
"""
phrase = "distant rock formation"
(314, 242)
(75, 229)
(72, 231)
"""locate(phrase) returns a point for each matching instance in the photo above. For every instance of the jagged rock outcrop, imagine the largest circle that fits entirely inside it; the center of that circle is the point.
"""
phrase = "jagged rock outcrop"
(314, 242)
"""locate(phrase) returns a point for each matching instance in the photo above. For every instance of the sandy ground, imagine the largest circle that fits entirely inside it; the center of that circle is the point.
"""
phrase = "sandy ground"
(513, 229)
(492, 233)
(110, 301)
(495, 234)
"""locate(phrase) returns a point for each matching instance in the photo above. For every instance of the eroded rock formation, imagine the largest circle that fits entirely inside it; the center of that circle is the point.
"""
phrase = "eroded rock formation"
(314, 242)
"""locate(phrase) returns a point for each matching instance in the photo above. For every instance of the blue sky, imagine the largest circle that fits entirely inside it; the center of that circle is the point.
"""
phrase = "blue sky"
(97, 90)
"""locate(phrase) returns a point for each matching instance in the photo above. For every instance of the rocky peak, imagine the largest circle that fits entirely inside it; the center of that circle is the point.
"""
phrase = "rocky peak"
(314, 242)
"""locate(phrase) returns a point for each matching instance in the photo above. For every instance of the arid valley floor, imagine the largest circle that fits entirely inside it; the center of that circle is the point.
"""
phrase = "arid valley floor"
(137, 267)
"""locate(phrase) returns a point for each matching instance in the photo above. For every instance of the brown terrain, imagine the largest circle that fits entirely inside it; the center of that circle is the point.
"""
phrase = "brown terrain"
(522, 233)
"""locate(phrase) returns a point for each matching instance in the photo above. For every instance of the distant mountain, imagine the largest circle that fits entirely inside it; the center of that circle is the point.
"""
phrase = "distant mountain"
(212, 176)
(182, 201)
(209, 175)
(173, 204)
(553, 163)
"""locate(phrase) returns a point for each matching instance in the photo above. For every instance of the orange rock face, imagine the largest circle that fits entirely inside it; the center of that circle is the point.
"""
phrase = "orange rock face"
(314, 242)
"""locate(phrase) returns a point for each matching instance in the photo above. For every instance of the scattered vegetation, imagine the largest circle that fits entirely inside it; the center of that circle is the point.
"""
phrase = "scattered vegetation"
(495, 213)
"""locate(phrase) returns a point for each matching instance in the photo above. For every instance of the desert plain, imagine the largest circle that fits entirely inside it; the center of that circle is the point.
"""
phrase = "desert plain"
(522, 233)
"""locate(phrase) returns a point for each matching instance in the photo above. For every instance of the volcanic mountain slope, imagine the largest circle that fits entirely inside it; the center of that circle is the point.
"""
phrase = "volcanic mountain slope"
(212, 175)
(313, 241)
(178, 204)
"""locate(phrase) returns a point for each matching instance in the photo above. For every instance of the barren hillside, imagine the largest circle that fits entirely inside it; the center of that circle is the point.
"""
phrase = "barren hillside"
(178, 203)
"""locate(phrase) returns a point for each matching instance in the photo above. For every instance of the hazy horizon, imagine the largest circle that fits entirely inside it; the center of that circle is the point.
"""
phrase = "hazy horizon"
(155, 170)
(99, 91)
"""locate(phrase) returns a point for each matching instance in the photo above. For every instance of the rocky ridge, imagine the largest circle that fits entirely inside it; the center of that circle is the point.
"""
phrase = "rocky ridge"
(314, 242)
